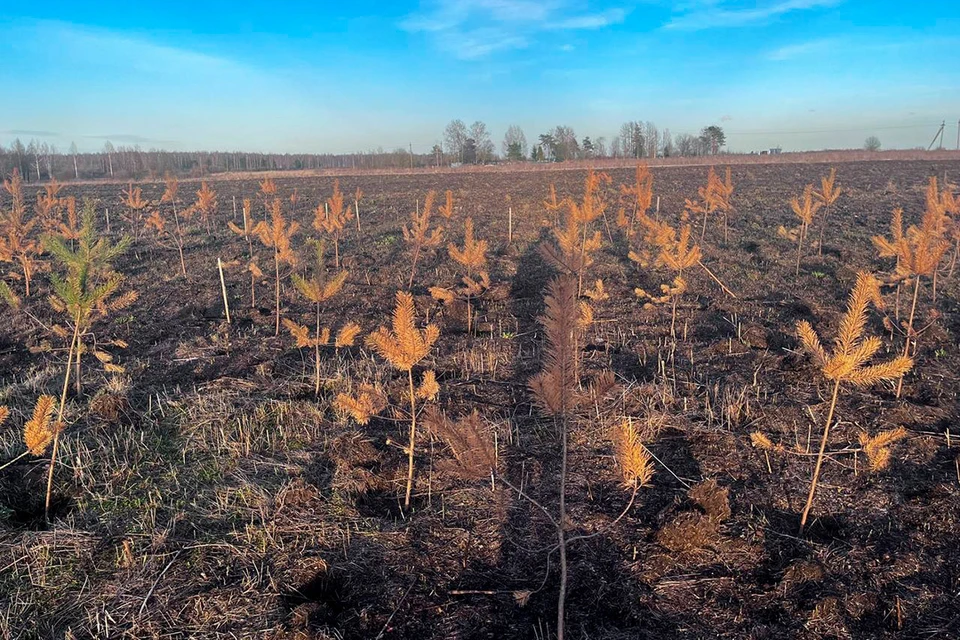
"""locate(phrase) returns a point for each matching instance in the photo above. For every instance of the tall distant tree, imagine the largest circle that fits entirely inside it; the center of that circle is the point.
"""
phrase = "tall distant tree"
(547, 146)
(587, 147)
(686, 144)
(108, 151)
(872, 143)
(601, 147)
(713, 139)
(666, 145)
(73, 152)
(566, 146)
(437, 152)
(21, 153)
(631, 139)
(651, 137)
(33, 149)
(514, 145)
(455, 138)
(482, 141)
(616, 150)
(470, 151)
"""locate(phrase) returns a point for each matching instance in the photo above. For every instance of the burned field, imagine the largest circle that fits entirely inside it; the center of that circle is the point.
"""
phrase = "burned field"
(255, 479)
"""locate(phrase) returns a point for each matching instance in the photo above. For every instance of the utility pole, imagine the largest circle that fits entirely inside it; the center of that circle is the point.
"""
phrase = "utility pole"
(410, 144)
(938, 134)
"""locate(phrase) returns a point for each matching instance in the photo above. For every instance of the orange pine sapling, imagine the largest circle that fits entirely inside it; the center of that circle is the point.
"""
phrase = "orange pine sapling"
(918, 252)
(827, 195)
(473, 258)
(847, 361)
(276, 236)
(404, 347)
(318, 289)
(805, 208)
(247, 233)
(419, 235)
(331, 218)
(16, 244)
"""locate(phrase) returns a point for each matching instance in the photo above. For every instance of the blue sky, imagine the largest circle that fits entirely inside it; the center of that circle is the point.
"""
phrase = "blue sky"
(338, 77)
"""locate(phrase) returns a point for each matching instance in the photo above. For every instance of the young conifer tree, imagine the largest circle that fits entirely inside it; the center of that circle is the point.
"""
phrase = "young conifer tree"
(673, 251)
(555, 391)
(331, 217)
(805, 208)
(847, 361)
(574, 244)
(17, 244)
(918, 252)
(86, 292)
(206, 204)
(132, 199)
(49, 207)
(170, 192)
(247, 233)
(473, 258)
(714, 197)
(404, 346)
(276, 236)
(827, 195)
(159, 222)
(640, 196)
(418, 235)
(318, 289)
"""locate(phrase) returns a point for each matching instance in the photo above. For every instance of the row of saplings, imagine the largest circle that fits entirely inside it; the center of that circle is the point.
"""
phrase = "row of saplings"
(86, 289)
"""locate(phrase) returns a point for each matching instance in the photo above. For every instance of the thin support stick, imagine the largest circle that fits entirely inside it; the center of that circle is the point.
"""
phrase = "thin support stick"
(223, 288)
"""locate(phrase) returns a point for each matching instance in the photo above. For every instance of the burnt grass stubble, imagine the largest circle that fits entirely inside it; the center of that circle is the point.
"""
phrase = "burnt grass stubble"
(224, 500)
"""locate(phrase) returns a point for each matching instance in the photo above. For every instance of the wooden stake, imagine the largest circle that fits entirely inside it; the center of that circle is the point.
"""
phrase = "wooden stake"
(509, 225)
(356, 208)
(234, 208)
(223, 288)
(108, 220)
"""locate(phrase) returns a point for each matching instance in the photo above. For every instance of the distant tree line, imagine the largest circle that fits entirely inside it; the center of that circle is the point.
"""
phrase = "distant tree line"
(461, 144)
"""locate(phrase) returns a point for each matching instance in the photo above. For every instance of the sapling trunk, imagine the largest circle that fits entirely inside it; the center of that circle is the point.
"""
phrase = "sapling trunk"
(276, 264)
(63, 404)
(413, 437)
(803, 232)
(413, 270)
(176, 219)
(820, 455)
(316, 353)
(561, 534)
(910, 336)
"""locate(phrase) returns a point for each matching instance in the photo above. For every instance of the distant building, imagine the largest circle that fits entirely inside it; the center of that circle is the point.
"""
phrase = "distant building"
(775, 151)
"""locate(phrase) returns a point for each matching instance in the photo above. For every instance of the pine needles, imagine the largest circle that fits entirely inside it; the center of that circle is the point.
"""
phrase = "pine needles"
(404, 347)
(918, 251)
(276, 236)
(39, 431)
(419, 236)
(805, 208)
(331, 218)
(827, 195)
(472, 256)
(318, 289)
(87, 291)
(16, 245)
(847, 361)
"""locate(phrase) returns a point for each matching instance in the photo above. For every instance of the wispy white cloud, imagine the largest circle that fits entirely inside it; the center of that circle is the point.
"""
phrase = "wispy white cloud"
(474, 29)
(861, 44)
(801, 49)
(715, 14)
